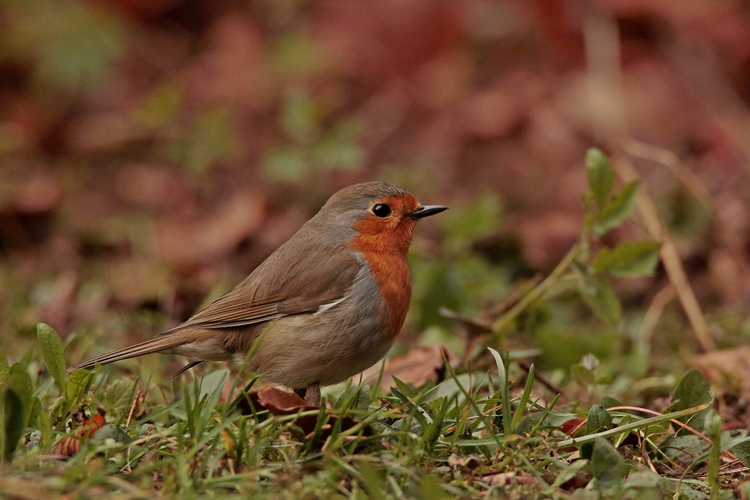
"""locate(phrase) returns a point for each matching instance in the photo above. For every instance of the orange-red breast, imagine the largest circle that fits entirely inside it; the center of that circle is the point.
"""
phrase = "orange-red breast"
(324, 306)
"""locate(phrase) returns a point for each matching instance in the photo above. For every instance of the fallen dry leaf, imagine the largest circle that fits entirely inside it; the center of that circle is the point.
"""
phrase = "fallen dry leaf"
(419, 366)
(470, 462)
(728, 368)
(570, 427)
(511, 477)
(501, 479)
(281, 402)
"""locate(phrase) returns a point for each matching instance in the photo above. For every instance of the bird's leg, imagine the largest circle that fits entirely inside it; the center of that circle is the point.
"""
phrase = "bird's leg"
(312, 394)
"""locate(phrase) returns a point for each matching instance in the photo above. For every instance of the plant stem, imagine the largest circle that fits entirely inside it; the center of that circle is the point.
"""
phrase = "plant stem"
(538, 292)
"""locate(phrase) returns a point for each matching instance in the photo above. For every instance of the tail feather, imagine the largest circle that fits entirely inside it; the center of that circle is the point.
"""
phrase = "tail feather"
(157, 344)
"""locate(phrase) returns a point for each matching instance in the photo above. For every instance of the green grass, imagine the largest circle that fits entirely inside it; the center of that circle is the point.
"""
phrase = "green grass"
(467, 436)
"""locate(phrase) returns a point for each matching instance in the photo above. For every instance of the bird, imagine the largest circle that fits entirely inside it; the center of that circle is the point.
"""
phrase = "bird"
(324, 306)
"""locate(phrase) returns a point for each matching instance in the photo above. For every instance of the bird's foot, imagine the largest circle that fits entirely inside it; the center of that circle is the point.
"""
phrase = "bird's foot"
(312, 394)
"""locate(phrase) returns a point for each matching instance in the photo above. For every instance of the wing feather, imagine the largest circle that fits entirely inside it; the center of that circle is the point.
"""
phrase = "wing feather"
(302, 287)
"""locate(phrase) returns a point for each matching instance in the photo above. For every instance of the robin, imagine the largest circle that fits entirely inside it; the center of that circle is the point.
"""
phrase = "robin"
(326, 305)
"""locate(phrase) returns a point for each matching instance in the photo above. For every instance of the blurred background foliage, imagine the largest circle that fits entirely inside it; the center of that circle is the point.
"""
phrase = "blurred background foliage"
(155, 151)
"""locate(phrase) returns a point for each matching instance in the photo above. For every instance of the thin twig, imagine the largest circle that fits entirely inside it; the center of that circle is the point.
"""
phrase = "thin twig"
(669, 255)
(132, 408)
(535, 294)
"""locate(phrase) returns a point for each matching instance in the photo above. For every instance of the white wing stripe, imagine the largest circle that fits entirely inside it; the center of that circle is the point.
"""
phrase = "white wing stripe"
(325, 307)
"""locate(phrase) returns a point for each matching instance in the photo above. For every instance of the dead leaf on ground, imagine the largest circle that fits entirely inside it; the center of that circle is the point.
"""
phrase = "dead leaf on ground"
(280, 402)
(469, 462)
(501, 479)
(729, 369)
(419, 366)
(508, 478)
(573, 425)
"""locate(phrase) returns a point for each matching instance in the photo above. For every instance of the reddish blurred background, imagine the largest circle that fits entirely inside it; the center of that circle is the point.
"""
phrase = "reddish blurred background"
(151, 149)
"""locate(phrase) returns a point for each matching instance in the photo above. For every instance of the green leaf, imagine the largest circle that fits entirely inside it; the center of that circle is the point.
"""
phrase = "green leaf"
(363, 398)
(502, 372)
(356, 397)
(646, 482)
(44, 423)
(629, 259)
(742, 451)
(609, 402)
(20, 381)
(113, 432)
(211, 386)
(685, 448)
(16, 405)
(52, 352)
(431, 488)
(599, 295)
(606, 465)
(523, 402)
(598, 419)
(403, 388)
(118, 397)
(692, 390)
(4, 369)
(627, 419)
(13, 423)
(35, 409)
(78, 385)
(600, 174)
(617, 209)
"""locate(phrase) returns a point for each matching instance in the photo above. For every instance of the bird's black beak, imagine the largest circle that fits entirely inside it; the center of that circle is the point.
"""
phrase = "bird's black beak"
(427, 210)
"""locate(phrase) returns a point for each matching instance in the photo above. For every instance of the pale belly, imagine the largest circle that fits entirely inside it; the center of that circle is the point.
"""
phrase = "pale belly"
(298, 351)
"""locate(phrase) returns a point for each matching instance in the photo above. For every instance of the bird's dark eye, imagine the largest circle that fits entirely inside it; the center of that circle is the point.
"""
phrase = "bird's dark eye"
(381, 210)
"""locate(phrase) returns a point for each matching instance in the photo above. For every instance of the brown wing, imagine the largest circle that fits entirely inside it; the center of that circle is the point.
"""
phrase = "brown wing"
(275, 290)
